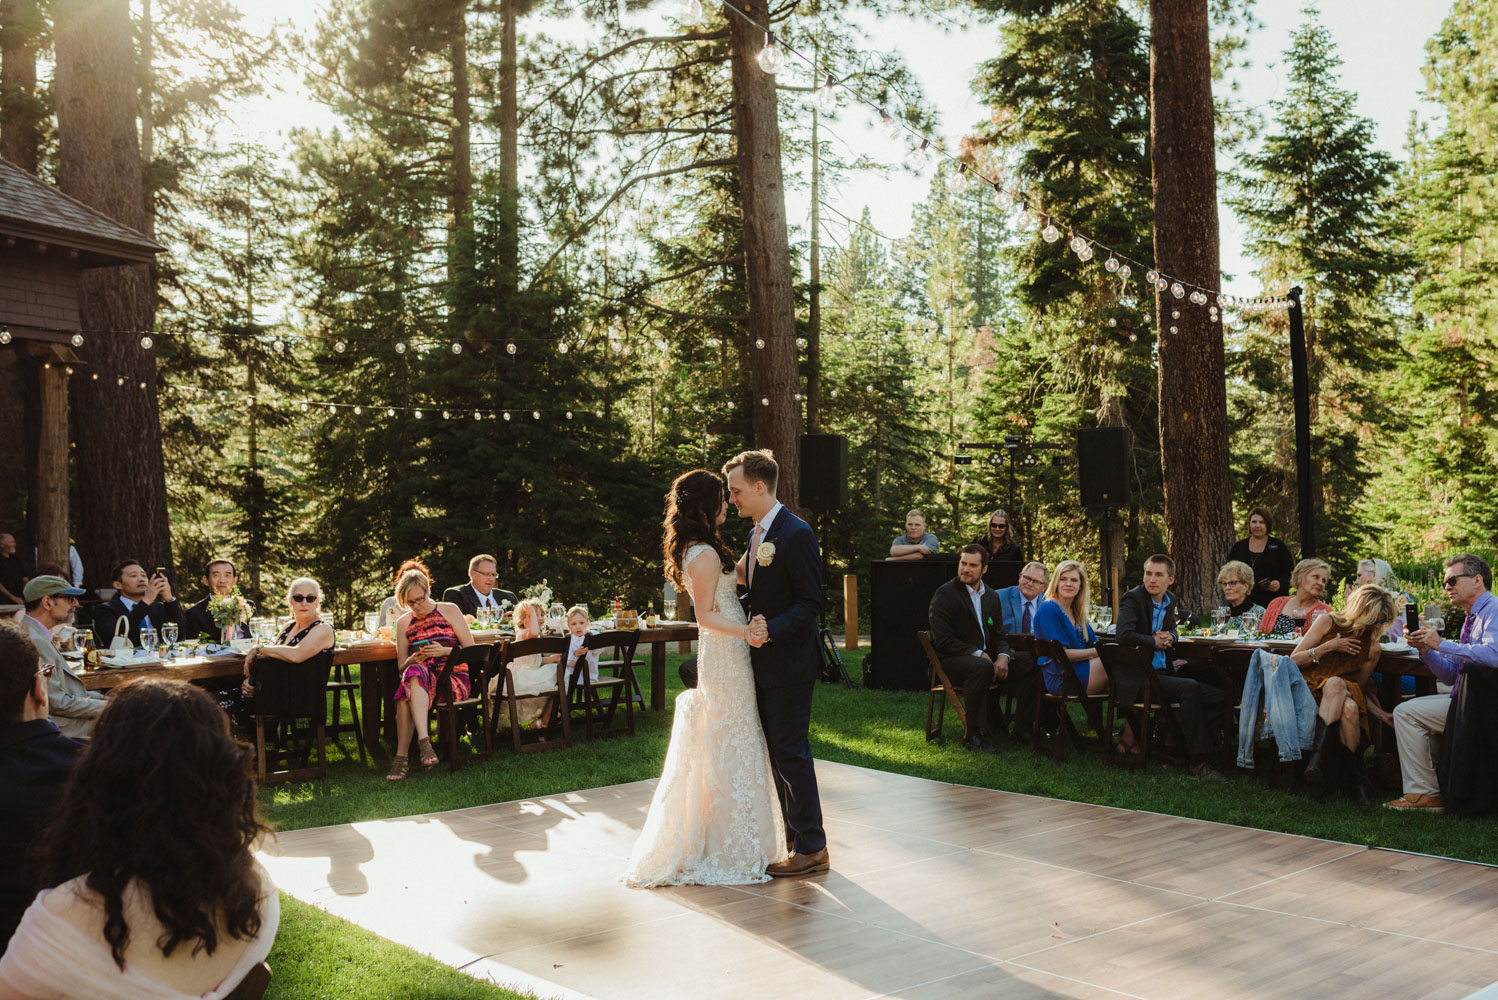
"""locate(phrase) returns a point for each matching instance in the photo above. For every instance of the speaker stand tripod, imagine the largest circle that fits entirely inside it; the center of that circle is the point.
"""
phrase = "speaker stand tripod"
(832, 660)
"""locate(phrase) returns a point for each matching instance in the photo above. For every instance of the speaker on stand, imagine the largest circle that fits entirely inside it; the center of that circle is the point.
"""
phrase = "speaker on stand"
(1104, 458)
(824, 488)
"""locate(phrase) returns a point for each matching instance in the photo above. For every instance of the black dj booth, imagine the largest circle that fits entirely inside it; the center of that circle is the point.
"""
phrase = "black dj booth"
(899, 594)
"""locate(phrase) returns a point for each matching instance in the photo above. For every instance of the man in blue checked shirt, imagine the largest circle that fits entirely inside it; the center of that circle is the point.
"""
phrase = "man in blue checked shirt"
(1420, 722)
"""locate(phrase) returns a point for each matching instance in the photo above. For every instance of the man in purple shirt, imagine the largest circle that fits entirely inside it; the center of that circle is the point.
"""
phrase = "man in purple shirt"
(1420, 722)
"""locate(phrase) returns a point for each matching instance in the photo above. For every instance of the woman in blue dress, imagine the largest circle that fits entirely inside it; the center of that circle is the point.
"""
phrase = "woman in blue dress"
(1063, 616)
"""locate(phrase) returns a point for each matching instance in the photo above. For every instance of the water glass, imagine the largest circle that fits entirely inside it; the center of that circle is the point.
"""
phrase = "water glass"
(169, 633)
(1250, 625)
(148, 638)
(371, 622)
(1107, 616)
(668, 608)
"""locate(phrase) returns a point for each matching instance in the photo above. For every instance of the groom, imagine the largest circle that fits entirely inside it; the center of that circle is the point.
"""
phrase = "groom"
(783, 572)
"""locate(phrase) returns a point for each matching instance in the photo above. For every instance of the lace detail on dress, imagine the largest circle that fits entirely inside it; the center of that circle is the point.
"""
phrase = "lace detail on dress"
(715, 819)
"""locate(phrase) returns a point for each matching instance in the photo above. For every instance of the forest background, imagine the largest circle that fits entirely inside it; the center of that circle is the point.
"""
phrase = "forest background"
(502, 301)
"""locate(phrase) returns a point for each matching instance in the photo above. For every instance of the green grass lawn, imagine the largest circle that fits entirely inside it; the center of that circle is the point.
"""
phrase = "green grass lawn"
(876, 729)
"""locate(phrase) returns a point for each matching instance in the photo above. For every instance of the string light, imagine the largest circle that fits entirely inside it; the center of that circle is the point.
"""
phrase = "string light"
(418, 414)
(535, 414)
(146, 342)
(280, 345)
(1050, 233)
(825, 99)
(507, 414)
(457, 347)
(400, 347)
(919, 156)
(561, 347)
(4, 336)
(510, 347)
(769, 56)
(339, 346)
(76, 340)
(957, 180)
(890, 126)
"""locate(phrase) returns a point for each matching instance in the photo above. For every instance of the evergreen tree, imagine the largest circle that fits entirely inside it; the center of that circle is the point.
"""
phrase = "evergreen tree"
(1320, 204)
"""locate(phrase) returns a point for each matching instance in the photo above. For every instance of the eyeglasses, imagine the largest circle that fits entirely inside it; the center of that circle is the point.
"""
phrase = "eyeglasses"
(998, 524)
(1450, 581)
(479, 572)
(44, 671)
(1031, 579)
(305, 598)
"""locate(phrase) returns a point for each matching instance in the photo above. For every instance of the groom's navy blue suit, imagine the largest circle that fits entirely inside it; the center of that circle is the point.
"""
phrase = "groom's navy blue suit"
(788, 592)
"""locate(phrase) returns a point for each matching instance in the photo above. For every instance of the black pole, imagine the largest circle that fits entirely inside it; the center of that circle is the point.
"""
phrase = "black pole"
(1300, 381)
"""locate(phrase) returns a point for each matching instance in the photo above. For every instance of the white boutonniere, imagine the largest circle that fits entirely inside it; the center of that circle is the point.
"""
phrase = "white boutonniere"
(765, 554)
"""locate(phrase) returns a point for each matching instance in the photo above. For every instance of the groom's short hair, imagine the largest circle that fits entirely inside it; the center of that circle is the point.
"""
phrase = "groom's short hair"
(758, 467)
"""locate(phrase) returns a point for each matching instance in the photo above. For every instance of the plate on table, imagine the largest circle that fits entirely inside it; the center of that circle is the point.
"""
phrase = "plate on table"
(1397, 647)
(130, 662)
(668, 623)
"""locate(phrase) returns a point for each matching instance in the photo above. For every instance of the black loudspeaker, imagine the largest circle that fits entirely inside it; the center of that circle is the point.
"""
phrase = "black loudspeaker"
(1103, 460)
(824, 471)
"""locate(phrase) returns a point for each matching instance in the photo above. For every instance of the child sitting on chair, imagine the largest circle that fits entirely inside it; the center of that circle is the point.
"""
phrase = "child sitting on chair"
(535, 676)
(577, 624)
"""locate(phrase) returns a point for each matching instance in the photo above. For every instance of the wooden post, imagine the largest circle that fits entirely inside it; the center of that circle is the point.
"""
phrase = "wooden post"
(684, 613)
(52, 466)
(850, 611)
(1113, 572)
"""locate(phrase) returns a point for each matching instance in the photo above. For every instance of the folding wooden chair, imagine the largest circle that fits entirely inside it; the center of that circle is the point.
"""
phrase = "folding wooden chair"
(616, 665)
(449, 713)
(293, 699)
(1072, 693)
(942, 692)
(1133, 667)
(586, 694)
(343, 685)
(556, 732)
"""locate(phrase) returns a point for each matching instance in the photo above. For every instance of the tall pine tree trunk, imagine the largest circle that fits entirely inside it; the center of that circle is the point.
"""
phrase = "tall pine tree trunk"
(460, 245)
(1193, 391)
(20, 120)
(121, 479)
(772, 311)
(509, 160)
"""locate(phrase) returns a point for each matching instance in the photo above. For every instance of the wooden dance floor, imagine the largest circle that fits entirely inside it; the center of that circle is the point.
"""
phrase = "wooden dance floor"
(936, 891)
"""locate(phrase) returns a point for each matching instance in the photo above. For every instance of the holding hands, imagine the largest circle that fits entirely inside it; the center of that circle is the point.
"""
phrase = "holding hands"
(757, 632)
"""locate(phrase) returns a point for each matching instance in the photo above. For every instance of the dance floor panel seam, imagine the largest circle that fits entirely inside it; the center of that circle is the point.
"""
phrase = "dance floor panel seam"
(936, 891)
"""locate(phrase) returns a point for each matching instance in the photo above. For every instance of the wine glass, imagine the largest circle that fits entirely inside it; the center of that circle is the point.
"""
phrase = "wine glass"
(556, 617)
(371, 622)
(668, 608)
(148, 638)
(1106, 616)
(1435, 616)
(1219, 619)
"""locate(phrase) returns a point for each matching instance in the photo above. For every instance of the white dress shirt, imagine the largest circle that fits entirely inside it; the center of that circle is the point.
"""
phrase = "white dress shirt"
(975, 594)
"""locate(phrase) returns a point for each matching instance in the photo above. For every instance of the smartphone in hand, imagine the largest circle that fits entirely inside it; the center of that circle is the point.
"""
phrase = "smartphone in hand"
(1411, 618)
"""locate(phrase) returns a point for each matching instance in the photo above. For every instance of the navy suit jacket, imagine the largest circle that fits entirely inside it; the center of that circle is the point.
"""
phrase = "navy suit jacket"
(199, 620)
(35, 761)
(788, 592)
(111, 611)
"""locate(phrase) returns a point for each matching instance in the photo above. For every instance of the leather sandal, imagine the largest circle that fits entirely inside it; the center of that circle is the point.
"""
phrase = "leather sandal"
(428, 755)
(400, 766)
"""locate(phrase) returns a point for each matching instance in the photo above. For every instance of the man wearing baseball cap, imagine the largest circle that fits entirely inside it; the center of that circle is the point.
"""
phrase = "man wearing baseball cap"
(50, 601)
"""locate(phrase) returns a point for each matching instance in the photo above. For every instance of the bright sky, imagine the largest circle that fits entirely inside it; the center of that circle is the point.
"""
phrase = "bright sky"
(1381, 43)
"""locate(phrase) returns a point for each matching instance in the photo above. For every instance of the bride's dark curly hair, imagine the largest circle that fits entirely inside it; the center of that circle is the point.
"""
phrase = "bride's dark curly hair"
(692, 507)
(162, 794)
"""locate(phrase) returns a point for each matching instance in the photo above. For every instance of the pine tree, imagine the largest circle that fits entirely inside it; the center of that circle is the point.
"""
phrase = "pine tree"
(1319, 202)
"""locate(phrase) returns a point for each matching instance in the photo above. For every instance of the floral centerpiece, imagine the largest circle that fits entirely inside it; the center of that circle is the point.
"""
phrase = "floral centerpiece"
(228, 611)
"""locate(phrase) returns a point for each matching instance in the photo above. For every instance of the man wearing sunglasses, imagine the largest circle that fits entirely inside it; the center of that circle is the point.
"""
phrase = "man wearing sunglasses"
(35, 760)
(1420, 722)
(49, 603)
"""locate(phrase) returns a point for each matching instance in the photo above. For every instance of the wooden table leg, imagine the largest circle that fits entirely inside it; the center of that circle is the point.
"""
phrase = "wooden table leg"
(370, 703)
(657, 676)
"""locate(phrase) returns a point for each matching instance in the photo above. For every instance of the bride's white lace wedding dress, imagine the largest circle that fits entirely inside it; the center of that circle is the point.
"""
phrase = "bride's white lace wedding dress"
(715, 819)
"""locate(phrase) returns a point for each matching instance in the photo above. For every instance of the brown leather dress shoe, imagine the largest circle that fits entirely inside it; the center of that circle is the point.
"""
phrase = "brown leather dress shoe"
(1432, 803)
(800, 864)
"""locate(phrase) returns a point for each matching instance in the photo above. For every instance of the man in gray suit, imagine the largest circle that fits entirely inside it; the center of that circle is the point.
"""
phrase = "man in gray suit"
(49, 603)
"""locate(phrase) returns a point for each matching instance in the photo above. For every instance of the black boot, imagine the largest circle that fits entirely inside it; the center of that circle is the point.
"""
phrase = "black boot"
(1315, 764)
(1355, 781)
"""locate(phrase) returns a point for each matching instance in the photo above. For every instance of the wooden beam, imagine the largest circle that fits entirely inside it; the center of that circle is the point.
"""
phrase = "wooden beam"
(52, 466)
(850, 611)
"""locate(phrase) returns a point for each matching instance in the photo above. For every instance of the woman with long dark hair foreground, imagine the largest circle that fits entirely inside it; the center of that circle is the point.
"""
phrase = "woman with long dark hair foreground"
(151, 889)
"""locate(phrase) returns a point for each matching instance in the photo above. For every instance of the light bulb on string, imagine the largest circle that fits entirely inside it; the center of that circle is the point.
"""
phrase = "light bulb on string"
(690, 14)
(507, 414)
(1050, 233)
(957, 180)
(400, 347)
(562, 347)
(1160, 284)
(801, 342)
(447, 415)
(1198, 299)
(477, 415)
(769, 56)
(759, 344)
(1003, 199)
(1178, 290)
(1174, 330)
(142, 387)
(892, 127)
(4, 336)
(118, 381)
(1175, 314)
(764, 401)
(213, 341)
(1076, 243)
(280, 345)
(825, 99)
(77, 340)
(1124, 271)
(331, 408)
(1112, 321)
(358, 410)
(390, 411)
(1111, 264)
(919, 156)
(457, 347)
(339, 346)
(1151, 276)
(418, 414)
(1148, 318)
(146, 342)
(1085, 254)
(599, 413)
(510, 348)
(535, 414)
(569, 414)
(1133, 337)
(304, 407)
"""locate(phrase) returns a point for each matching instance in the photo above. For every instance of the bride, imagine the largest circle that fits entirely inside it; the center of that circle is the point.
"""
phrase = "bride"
(715, 819)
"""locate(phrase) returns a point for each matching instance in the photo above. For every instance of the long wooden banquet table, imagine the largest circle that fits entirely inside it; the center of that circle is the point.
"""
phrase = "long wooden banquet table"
(376, 660)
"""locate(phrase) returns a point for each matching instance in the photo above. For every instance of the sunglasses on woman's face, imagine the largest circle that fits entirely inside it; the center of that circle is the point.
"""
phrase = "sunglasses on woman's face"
(304, 598)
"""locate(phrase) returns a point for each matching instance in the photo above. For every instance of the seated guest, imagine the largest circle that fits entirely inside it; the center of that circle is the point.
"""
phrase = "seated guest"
(391, 609)
(141, 601)
(1268, 558)
(1237, 582)
(1337, 655)
(1020, 604)
(1147, 619)
(220, 577)
(917, 542)
(480, 591)
(1063, 617)
(1286, 617)
(304, 638)
(35, 760)
(967, 632)
(50, 602)
(999, 539)
(535, 676)
(577, 629)
(51, 569)
(1377, 571)
(424, 637)
(151, 885)
(13, 574)
(1420, 722)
